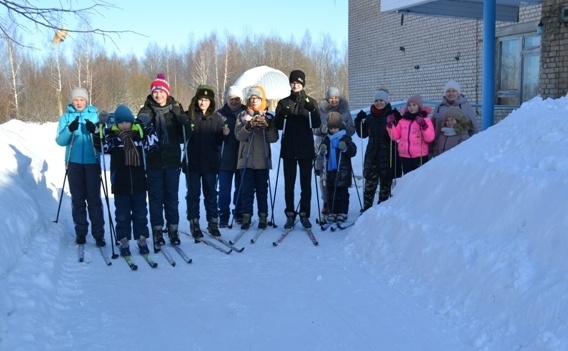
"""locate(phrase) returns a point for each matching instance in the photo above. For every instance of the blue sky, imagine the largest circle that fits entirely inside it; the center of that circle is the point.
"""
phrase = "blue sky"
(175, 21)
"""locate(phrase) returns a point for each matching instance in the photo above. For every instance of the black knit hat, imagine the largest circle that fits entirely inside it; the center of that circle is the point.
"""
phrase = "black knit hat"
(298, 76)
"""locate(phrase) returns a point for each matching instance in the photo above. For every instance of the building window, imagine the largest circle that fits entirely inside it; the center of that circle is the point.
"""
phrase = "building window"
(518, 69)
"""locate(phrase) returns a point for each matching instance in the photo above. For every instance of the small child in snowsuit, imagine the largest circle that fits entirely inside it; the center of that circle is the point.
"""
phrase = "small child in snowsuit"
(127, 142)
(337, 148)
(414, 131)
(454, 130)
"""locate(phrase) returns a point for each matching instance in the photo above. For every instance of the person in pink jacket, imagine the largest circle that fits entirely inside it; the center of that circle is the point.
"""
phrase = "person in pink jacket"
(413, 132)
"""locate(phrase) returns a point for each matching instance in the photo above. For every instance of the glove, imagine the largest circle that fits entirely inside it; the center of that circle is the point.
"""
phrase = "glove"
(144, 119)
(183, 119)
(73, 126)
(309, 105)
(323, 128)
(261, 122)
(91, 127)
(360, 116)
(323, 149)
(390, 121)
(226, 130)
(397, 115)
(342, 146)
(421, 122)
(103, 117)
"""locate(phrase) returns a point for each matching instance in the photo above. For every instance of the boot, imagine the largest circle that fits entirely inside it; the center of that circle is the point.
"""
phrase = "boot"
(213, 227)
(173, 234)
(223, 220)
(246, 222)
(100, 242)
(305, 221)
(81, 240)
(194, 229)
(290, 220)
(158, 236)
(262, 220)
(143, 245)
(124, 249)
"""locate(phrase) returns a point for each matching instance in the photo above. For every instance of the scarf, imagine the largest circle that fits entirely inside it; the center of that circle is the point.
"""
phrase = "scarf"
(333, 143)
(131, 155)
(161, 124)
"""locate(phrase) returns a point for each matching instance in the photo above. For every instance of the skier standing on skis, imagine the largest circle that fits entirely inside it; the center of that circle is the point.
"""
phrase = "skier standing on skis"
(337, 148)
(255, 132)
(296, 115)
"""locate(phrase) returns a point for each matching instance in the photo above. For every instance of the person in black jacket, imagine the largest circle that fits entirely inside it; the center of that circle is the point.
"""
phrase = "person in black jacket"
(230, 148)
(126, 142)
(337, 148)
(382, 163)
(296, 115)
(203, 159)
(163, 167)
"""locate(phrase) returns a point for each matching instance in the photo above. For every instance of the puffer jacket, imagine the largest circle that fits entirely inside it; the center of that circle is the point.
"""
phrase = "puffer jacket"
(254, 155)
(343, 109)
(169, 153)
(296, 122)
(230, 149)
(412, 139)
(204, 147)
(461, 103)
(344, 172)
(79, 147)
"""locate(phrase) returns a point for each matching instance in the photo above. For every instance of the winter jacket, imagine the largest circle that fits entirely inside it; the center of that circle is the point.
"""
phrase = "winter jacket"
(169, 153)
(127, 179)
(296, 122)
(79, 147)
(381, 150)
(343, 109)
(344, 172)
(255, 155)
(204, 147)
(231, 146)
(461, 103)
(412, 139)
(450, 137)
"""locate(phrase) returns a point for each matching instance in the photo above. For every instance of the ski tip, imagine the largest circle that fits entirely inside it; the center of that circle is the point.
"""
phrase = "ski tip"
(228, 252)
(241, 249)
(274, 243)
(252, 241)
(189, 261)
(134, 267)
(155, 265)
(109, 263)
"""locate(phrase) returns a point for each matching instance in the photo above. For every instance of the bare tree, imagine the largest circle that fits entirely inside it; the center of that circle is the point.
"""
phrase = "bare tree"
(13, 69)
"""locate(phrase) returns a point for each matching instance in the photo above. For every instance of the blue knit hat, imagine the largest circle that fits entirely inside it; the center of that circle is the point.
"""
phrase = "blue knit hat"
(123, 114)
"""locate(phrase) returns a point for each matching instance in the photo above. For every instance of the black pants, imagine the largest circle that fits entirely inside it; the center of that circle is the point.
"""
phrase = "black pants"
(85, 188)
(290, 170)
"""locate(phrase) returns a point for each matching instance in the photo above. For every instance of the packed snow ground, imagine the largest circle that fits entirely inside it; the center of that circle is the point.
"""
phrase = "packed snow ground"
(469, 254)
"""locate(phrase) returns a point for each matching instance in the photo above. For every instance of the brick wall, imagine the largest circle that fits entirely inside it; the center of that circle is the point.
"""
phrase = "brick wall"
(553, 80)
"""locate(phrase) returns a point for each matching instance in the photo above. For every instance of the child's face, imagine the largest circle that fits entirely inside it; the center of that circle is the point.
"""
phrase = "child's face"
(333, 130)
(124, 126)
(380, 104)
(79, 103)
(413, 107)
(451, 122)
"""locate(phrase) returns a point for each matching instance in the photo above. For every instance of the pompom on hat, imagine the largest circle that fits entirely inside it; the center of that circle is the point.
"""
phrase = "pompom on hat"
(452, 84)
(79, 93)
(381, 95)
(160, 83)
(123, 114)
(417, 99)
(332, 92)
(298, 76)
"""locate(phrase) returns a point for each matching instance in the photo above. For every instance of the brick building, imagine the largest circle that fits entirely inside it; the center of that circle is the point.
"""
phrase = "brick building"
(418, 54)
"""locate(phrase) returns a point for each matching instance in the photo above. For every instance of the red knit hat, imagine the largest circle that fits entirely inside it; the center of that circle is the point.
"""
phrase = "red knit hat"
(160, 83)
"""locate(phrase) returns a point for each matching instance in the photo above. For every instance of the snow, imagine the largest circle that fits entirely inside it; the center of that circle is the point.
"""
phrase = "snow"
(469, 254)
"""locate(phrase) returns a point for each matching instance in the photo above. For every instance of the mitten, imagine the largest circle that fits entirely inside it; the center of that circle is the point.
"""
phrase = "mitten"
(423, 114)
(144, 119)
(90, 127)
(397, 115)
(390, 121)
(309, 105)
(183, 119)
(261, 122)
(360, 116)
(73, 126)
(421, 122)
(341, 145)
(323, 149)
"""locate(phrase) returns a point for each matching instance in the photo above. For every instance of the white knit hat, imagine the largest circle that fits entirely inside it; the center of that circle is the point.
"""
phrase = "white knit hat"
(79, 92)
(452, 84)
(332, 92)
(234, 91)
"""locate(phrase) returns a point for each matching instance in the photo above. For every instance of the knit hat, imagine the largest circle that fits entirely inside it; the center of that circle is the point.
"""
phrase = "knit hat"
(234, 91)
(205, 91)
(332, 92)
(298, 76)
(79, 93)
(160, 83)
(256, 90)
(334, 120)
(455, 113)
(452, 84)
(123, 114)
(381, 95)
(417, 99)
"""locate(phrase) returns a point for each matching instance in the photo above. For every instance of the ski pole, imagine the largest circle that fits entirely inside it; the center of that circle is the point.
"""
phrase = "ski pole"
(267, 169)
(105, 191)
(250, 141)
(64, 177)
